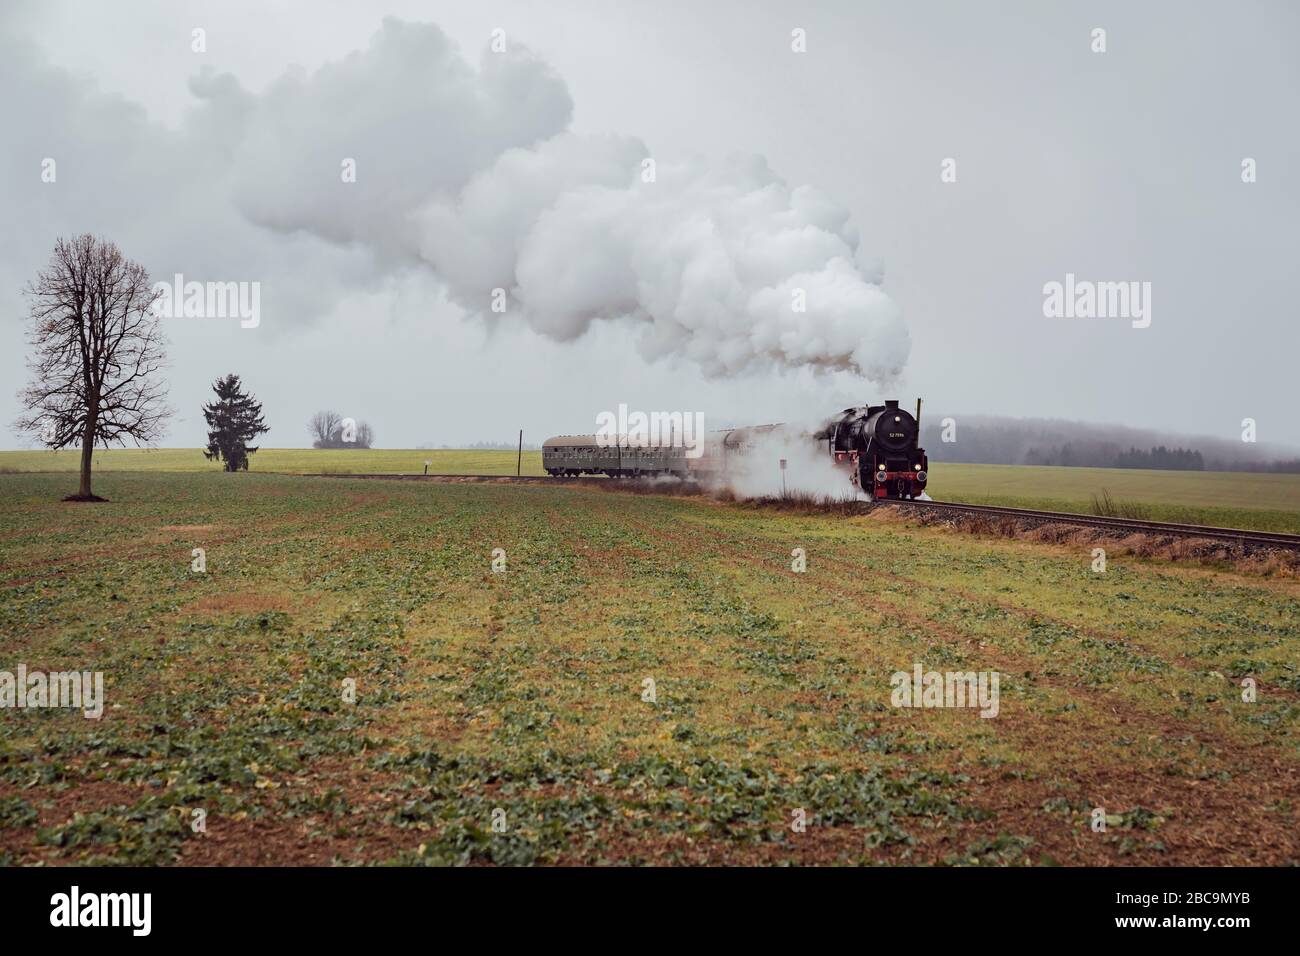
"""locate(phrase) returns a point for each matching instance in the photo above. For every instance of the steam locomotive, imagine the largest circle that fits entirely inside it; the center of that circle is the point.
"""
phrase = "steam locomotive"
(880, 446)
(876, 445)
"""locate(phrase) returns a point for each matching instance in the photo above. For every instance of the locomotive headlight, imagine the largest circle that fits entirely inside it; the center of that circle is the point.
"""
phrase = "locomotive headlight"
(917, 467)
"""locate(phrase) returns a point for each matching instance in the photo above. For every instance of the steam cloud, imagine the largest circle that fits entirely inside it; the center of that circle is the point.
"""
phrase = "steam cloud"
(473, 173)
(756, 473)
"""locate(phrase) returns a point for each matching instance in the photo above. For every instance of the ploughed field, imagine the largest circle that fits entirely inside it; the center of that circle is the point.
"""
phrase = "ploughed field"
(1228, 499)
(506, 717)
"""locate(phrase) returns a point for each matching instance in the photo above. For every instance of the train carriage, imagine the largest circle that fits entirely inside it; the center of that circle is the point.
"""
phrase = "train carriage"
(572, 455)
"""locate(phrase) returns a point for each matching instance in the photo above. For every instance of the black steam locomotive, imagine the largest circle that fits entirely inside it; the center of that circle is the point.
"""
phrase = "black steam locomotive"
(880, 446)
(876, 444)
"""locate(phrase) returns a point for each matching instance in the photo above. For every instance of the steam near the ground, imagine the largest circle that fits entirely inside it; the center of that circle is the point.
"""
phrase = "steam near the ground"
(809, 469)
(473, 173)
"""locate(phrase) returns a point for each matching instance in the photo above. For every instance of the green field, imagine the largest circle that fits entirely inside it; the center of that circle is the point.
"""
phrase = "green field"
(521, 698)
(1226, 499)
(369, 461)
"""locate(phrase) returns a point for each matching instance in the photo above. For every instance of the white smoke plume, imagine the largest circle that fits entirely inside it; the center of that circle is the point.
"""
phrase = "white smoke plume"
(756, 473)
(473, 172)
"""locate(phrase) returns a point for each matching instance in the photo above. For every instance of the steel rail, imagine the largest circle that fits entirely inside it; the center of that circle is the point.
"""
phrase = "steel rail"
(1243, 536)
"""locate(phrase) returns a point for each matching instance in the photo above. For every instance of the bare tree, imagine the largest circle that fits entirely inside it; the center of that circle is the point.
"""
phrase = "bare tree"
(324, 428)
(331, 430)
(97, 349)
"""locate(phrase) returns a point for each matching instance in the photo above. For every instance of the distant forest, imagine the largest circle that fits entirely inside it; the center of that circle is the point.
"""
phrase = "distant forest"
(1174, 459)
(1009, 441)
(1177, 459)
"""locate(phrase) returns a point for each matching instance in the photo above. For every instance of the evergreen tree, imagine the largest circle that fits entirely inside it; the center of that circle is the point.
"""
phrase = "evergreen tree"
(233, 420)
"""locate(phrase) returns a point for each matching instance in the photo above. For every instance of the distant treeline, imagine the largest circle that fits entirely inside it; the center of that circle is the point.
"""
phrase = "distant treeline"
(1177, 459)
(1101, 456)
(1009, 441)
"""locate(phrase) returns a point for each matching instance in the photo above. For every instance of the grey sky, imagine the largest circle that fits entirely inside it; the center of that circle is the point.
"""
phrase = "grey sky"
(1117, 166)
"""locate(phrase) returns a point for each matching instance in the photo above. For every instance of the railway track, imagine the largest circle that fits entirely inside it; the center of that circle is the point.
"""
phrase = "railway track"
(469, 479)
(1236, 536)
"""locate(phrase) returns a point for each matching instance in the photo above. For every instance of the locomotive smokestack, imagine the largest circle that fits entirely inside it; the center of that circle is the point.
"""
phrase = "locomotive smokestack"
(918, 419)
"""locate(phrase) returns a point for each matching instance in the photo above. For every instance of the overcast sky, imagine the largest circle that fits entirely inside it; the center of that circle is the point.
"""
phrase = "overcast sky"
(777, 170)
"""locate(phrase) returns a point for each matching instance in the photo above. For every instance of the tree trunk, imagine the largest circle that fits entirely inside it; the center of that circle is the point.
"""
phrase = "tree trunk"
(87, 451)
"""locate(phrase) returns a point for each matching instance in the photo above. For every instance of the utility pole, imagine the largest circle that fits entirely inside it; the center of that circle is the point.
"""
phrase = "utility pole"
(519, 462)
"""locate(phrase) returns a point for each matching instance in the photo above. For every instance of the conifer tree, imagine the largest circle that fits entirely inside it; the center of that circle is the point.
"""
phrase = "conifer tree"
(233, 419)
